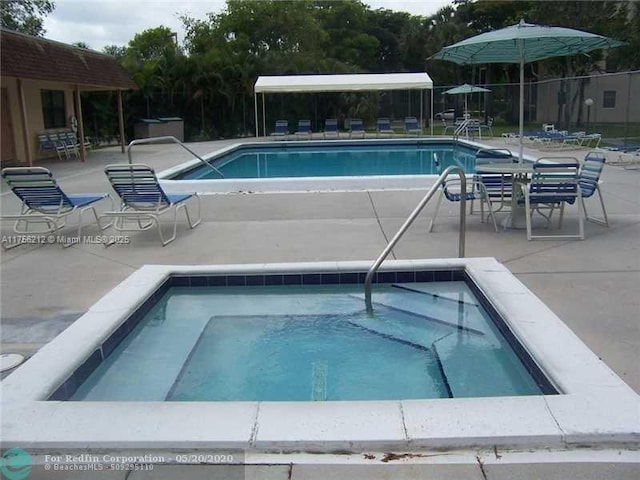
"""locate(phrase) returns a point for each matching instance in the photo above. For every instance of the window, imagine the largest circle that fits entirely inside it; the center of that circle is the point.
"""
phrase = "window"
(53, 108)
(609, 99)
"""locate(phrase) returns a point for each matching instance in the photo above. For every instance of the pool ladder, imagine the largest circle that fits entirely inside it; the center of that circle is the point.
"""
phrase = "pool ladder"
(169, 138)
(463, 127)
(454, 169)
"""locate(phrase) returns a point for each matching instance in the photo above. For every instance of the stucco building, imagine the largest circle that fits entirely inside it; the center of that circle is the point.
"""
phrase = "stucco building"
(41, 81)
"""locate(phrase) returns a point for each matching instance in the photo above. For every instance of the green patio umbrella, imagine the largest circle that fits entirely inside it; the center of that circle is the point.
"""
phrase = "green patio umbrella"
(465, 89)
(523, 43)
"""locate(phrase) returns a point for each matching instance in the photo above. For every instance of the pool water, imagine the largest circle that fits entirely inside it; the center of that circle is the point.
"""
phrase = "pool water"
(334, 160)
(312, 343)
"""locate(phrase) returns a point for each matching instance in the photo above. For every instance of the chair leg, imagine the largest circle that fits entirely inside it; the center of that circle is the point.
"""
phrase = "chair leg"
(604, 222)
(95, 216)
(491, 213)
(435, 213)
(561, 215)
(604, 211)
(199, 218)
(582, 215)
(528, 213)
(485, 198)
(175, 227)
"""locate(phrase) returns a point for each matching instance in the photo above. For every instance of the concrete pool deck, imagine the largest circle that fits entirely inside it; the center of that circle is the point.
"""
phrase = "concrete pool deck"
(591, 285)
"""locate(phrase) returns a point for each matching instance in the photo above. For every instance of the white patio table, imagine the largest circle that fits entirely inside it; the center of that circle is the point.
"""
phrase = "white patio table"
(520, 174)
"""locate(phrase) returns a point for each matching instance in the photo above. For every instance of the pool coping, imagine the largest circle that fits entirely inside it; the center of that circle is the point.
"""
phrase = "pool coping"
(306, 184)
(596, 408)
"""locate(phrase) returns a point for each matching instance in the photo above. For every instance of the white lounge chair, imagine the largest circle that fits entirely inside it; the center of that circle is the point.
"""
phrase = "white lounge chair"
(45, 204)
(304, 129)
(331, 128)
(143, 200)
(356, 128)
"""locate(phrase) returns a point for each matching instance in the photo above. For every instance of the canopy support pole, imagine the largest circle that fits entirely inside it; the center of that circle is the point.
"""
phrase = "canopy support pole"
(431, 112)
(255, 108)
(264, 121)
(421, 108)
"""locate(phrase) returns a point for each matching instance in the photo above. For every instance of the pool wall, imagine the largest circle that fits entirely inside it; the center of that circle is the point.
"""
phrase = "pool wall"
(595, 408)
(305, 184)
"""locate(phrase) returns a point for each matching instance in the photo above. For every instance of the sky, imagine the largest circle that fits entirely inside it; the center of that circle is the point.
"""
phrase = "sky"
(114, 22)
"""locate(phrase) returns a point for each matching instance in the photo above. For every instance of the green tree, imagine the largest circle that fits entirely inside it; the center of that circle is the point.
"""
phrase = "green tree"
(115, 51)
(151, 44)
(346, 38)
(390, 29)
(25, 16)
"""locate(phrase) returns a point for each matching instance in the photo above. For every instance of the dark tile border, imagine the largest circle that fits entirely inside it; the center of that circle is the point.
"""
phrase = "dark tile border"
(80, 374)
(319, 278)
(528, 362)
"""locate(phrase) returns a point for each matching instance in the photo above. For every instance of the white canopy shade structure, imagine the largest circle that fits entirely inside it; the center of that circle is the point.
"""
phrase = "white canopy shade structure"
(340, 83)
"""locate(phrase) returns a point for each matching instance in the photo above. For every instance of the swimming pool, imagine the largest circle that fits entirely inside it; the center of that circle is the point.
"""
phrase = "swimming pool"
(368, 164)
(315, 342)
(334, 160)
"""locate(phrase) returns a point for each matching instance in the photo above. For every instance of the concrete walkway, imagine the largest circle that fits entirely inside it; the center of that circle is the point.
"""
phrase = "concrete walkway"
(593, 285)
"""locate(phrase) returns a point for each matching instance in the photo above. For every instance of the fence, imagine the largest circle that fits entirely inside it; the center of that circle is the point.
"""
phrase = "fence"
(606, 103)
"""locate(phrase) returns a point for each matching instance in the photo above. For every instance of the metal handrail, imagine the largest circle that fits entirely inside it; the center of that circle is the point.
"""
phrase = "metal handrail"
(463, 126)
(174, 140)
(461, 239)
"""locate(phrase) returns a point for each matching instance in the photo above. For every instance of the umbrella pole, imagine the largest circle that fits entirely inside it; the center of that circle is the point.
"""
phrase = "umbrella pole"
(521, 119)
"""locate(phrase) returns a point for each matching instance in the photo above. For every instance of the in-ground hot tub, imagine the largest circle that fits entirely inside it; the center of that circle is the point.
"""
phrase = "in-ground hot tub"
(308, 337)
(581, 402)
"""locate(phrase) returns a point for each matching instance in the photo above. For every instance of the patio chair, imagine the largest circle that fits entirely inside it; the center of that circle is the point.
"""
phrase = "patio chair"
(45, 204)
(411, 126)
(356, 128)
(451, 190)
(331, 128)
(590, 183)
(47, 144)
(282, 129)
(472, 129)
(304, 129)
(499, 186)
(69, 143)
(446, 127)
(143, 200)
(552, 186)
(591, 140)
(487, 126)
(60, 144)
(73, 137)
(557, 140)
(383, 127)
(629, 159)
